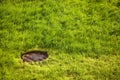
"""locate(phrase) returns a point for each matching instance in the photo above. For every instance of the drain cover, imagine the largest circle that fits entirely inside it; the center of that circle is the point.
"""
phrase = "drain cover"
(34, 56)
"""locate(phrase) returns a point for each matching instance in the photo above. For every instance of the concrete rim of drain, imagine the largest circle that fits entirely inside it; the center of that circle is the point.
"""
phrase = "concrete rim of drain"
(34, 56)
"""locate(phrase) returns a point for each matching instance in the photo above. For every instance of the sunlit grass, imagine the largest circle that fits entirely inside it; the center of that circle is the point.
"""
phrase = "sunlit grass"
(65, 66)
(81, 36)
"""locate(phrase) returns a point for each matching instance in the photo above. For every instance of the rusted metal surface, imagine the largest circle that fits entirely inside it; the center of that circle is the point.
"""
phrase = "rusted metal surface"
(34, 56)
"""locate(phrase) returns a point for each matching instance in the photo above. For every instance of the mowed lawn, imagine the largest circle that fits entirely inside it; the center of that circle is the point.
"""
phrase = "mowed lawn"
(82, 38)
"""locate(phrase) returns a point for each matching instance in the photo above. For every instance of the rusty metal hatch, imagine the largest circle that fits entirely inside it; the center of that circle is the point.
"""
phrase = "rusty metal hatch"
(34, 56)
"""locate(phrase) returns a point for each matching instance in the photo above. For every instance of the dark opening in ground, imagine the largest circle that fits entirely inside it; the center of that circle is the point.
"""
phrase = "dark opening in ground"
(34, 56)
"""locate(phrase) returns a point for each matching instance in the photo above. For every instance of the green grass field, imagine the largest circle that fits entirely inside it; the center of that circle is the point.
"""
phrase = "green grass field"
(82, 38)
